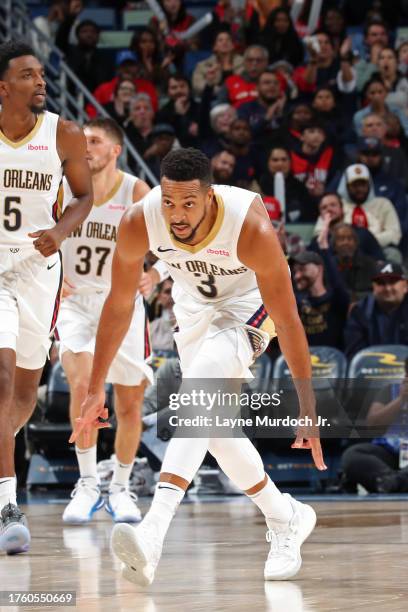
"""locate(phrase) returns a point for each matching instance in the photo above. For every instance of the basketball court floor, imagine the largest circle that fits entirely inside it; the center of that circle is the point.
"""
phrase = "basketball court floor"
(355, 560)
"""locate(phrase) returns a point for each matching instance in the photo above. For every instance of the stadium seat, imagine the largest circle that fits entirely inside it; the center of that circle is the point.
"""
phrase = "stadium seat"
(370, 370)
(115, 39)
(304, 230)
(136, 19)
(104, 17)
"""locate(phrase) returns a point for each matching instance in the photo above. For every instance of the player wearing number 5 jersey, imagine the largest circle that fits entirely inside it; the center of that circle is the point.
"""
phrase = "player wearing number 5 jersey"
(87, 258)
(36, 149)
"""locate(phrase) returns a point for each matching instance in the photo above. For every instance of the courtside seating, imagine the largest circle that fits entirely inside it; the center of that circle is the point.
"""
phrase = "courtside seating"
(370, 370)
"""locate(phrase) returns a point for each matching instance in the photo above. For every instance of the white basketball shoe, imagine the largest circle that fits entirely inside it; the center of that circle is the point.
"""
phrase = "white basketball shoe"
(122, 506)
(86, 500)
(284, 559)
(139, 548)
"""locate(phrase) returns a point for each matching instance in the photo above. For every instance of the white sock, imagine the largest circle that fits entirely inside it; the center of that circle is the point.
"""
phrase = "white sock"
(165, 502)
(275, 507)
(8, 491)
(121, 475)
(87, 462)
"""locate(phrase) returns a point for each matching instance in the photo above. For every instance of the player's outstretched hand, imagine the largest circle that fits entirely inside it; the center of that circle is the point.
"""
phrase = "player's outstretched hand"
(92, 410)
(314, 445)
(47, 242)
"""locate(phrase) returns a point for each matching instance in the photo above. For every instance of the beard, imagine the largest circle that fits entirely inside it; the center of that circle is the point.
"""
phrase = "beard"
(192, 233)
(37, 109)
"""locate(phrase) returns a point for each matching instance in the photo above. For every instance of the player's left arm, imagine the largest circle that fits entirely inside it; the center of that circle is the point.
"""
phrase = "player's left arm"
(259, 249)
(71, 146)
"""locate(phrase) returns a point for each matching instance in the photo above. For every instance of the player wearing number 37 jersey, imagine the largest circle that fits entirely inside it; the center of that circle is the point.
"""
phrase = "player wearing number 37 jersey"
(36, 149)
(87, 258)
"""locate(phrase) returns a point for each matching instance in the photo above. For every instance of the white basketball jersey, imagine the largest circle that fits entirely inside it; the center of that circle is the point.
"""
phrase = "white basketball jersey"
(30, 176)
(88, 250)
(209, 271)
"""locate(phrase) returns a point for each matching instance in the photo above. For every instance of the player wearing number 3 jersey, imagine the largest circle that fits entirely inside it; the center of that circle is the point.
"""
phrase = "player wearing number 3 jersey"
(87, 258)
(36, 149)
(229, 273)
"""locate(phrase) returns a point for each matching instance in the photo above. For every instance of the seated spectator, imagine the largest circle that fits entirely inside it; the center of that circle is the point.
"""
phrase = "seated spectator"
(381, 317)
(181, 111)
(375, 464)
(315, 160)
(177, 18)
(395, 82)
(223, 166)
(375, 94)
(84, 58)
(330, 113)
(247, 158)
(356, 268)
(322, 307)
(363, 208)
(334, 24)
(394, 159)
(376, 38)
(224, 61)
(280, 38)
(139, 126)
(264, 114)
(386, 186)
(291, 243)
(331, 206)
(118, 108)
(297, 118)
(324, 68)
(161, 328)
(65, 35)
(128, 69)
(213, 137)
(163, 139)
(403, 57)
(145, 50)
(299, 207)
(241, 88)
(48, 25)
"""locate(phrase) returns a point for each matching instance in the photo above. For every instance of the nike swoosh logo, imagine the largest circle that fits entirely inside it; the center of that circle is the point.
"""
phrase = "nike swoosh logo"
(163, 487)
(161, 250)
(54, 264)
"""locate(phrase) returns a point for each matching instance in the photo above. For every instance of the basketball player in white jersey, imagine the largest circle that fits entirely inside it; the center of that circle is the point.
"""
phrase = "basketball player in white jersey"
(87, 259)
(36, 149)
(229, 273)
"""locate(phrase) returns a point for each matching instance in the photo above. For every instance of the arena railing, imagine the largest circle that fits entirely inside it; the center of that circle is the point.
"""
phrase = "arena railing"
(67, 95)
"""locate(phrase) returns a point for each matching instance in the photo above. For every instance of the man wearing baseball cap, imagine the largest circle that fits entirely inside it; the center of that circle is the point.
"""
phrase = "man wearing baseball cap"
(370, 153)
(322, 307)
(381, 317)
(364, 209)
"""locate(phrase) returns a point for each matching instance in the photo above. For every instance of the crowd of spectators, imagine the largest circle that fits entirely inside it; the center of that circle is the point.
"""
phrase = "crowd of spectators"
(314, 121)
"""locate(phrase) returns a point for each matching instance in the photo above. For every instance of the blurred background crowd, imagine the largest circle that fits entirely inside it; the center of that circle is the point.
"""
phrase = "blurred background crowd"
(304, 102)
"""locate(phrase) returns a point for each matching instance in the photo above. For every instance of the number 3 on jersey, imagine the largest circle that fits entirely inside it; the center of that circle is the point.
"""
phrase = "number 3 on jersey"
(207, 287)
(85, 261)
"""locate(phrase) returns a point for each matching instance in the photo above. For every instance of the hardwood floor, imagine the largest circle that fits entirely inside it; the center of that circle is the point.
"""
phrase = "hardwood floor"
(355, 560)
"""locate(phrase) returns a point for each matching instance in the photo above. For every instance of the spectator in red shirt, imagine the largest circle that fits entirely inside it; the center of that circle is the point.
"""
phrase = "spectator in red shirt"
(128, 69)
(239, 89)
(177, 17)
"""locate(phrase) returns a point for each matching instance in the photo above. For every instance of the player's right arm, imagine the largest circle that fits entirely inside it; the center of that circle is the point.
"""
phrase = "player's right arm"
(127, 267)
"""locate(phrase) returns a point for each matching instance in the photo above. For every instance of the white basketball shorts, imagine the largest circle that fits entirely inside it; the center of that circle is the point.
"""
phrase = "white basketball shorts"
(236, 326)
(77, 326)
(30, 287)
